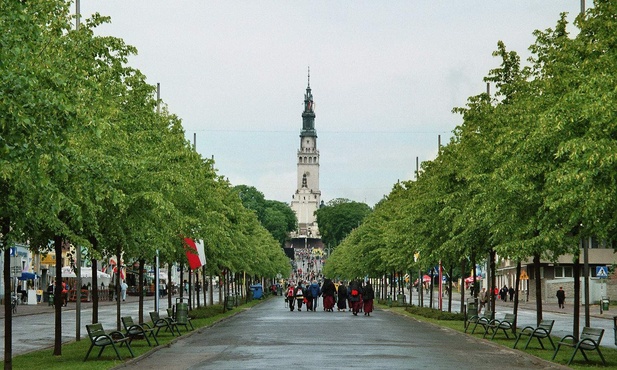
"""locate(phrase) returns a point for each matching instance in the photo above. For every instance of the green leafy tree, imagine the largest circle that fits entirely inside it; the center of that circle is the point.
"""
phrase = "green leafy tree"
(338, 218)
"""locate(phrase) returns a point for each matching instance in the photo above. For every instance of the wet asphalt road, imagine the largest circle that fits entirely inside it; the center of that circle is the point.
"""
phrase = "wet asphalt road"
(269, 336)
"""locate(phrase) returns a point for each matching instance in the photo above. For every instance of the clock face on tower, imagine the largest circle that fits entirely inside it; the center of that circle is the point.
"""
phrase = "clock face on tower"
(307, 174)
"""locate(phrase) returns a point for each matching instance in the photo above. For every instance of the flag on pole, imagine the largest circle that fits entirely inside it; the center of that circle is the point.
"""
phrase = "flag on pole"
(195, 253)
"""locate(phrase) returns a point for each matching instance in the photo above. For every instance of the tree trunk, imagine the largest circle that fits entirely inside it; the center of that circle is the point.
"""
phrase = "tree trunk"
(536, 269)
(95, 281)
(493, 280)
(463, 268)
(473, 271)
(140, 288)
(181, 280)
(118, 281)
(8, 309)
(169, 286)
(58, 240)
(517, 285)
(577, 295)
(190, 291)
(450, 271)
(430, 301)
(95, 290)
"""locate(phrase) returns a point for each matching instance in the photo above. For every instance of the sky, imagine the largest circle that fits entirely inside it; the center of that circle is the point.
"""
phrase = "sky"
(384, 75)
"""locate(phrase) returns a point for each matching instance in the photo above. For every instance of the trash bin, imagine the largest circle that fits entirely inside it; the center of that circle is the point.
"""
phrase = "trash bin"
(257, 290)
(389, 301)
(249, 294)
(472, 307)
(400, 299)
(605, 303)
(229, 302)
(182, 313)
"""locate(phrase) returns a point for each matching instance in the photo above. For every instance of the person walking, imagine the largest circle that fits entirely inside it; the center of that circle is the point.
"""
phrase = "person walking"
(299, 294)
(315, 291)
(483, 298)
(355, 291)
(123, 288)
(328, 291)
(291, 296)
(368, 296)
(511, 293)
(503, 293)
(341, 303)
(561, 298)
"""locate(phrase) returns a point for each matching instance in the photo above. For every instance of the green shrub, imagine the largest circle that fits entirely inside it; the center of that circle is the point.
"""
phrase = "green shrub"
(434, 313)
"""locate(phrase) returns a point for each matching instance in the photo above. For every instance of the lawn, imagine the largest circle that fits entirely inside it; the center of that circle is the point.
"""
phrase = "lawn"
(73, 353)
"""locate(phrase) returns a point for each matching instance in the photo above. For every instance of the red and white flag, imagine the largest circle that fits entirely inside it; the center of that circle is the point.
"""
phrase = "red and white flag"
(195, 253)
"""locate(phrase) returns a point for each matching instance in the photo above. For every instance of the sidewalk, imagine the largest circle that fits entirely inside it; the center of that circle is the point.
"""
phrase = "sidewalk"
(44, 307)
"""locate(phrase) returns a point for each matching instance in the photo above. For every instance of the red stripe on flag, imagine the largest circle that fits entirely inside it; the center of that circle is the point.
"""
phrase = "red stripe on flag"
(191, 254)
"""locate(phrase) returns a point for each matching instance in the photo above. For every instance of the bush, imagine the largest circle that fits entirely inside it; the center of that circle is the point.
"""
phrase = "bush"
(432, 313)
(206, 312)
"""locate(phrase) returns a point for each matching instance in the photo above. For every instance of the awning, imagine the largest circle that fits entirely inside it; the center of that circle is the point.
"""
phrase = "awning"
(28, 276)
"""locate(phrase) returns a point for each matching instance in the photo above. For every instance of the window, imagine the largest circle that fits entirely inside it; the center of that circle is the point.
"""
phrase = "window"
(563, 271)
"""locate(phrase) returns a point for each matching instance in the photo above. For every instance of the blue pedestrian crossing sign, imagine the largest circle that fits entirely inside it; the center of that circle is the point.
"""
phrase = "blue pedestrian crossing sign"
(602, 272)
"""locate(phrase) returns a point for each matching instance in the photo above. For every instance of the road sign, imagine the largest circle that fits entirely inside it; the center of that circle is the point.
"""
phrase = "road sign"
(602, 272)
(524, 275)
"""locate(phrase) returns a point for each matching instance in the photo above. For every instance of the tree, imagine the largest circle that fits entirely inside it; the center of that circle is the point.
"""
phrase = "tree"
(338, 218)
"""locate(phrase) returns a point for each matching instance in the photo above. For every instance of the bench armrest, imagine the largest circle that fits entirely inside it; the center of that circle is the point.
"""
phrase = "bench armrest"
(541, 330)
(570, 337)
(145, 325)
(527, 330)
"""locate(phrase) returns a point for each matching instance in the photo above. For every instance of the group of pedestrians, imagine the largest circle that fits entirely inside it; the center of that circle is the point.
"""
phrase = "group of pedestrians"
(358, 296)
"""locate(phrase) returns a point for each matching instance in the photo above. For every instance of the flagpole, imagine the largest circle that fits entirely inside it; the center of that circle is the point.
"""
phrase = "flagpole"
(156, 262)
(78, 248)
(156, 282)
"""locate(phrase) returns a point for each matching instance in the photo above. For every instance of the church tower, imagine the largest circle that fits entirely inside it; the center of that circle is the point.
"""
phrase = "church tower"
(307, 198)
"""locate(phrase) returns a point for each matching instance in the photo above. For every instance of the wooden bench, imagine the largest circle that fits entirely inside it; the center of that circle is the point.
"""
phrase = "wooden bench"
(543, 331)
(138, 331)
(180, 321)
(496, 325)
(159, 323)
(481, 320)
(589, 341)
(99, 338)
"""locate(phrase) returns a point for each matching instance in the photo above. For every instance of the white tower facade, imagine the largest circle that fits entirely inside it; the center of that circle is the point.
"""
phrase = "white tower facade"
(307, 198)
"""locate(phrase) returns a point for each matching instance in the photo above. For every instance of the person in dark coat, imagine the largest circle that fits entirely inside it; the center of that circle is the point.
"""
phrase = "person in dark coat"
(355, 292)
(342, 297)
(511, 293)
(368, 296)
(561, 297)
(503, 293)
(328, 290)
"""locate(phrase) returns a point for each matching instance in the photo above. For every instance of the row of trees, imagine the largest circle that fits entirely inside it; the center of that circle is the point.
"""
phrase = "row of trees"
(87, 157)
(530, 172)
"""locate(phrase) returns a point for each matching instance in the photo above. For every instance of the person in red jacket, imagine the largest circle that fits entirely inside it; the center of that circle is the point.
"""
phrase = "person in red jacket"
(291, 296)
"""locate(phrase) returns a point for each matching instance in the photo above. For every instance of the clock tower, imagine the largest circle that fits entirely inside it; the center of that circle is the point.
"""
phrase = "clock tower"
(307, 198)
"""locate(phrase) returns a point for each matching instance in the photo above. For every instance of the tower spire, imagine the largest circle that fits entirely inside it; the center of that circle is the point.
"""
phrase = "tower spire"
(309, 77)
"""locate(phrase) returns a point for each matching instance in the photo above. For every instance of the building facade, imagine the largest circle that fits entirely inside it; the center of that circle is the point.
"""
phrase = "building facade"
(560, 273)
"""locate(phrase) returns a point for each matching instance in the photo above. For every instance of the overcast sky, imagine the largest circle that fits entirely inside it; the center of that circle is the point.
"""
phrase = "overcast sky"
(385, 76)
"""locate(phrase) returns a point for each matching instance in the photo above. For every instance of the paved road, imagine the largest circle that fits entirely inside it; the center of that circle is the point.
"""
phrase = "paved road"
(270, 336)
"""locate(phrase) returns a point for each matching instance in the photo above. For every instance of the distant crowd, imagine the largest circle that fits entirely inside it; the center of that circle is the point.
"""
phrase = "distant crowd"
(358, 296)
